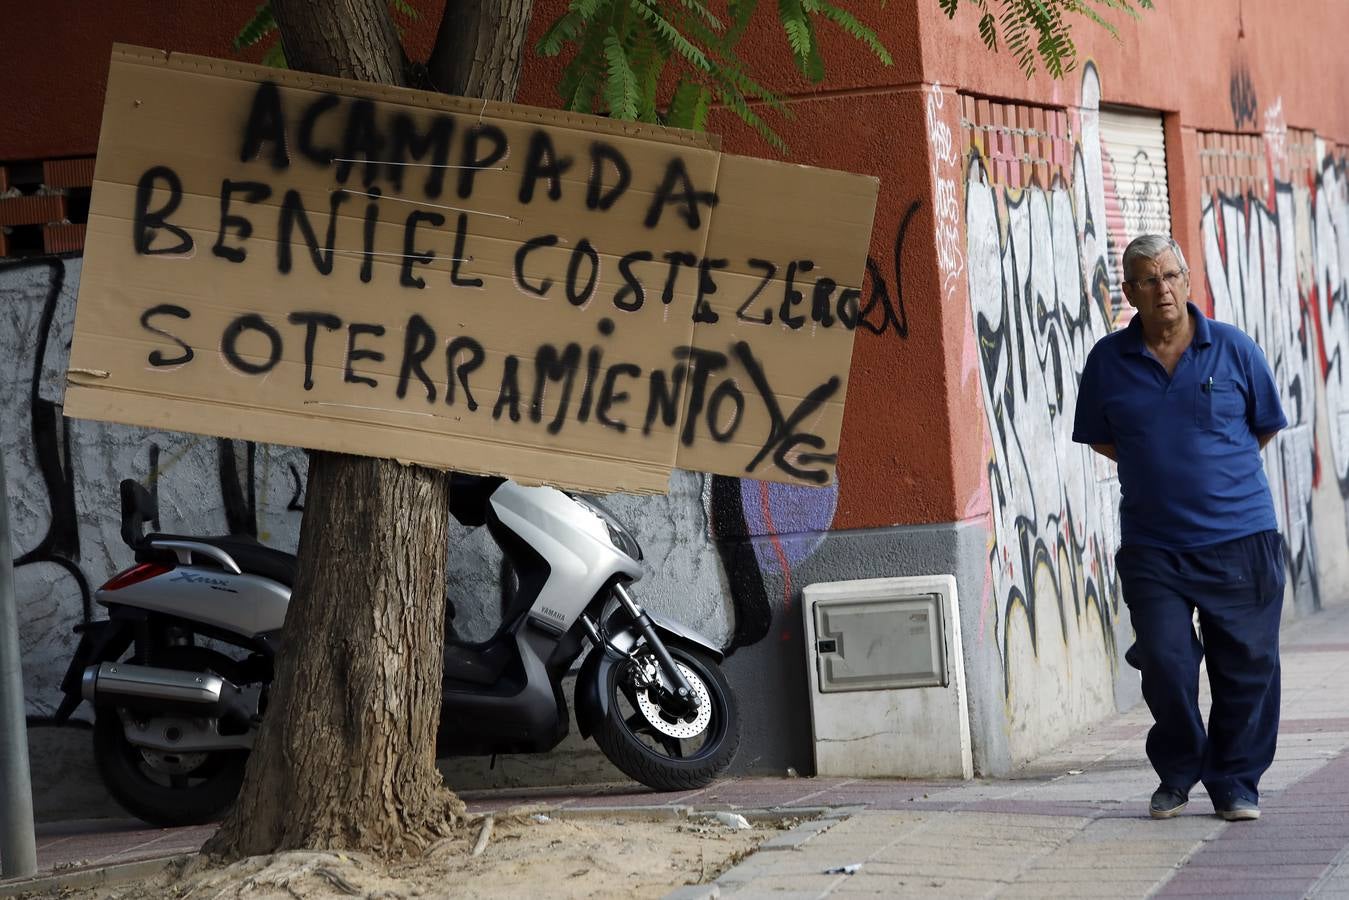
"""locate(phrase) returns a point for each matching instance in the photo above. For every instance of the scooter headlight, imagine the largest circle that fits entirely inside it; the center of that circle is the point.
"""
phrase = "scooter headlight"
(618, 534)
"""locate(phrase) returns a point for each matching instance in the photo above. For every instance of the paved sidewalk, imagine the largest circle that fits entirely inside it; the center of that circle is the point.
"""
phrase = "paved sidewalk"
(1075, 823)
(1072, 824)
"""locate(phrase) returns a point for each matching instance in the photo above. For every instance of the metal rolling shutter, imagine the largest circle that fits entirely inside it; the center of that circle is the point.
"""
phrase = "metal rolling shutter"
(1133, 153)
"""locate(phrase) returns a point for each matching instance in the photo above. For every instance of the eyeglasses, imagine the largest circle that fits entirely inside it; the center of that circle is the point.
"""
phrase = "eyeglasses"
(1154, 283)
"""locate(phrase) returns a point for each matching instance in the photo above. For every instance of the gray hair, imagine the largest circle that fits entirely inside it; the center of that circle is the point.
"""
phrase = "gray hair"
(1150, 246)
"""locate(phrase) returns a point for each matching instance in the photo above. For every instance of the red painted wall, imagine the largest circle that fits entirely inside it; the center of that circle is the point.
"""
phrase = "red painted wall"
(55, 58)
(913, 440)
(1178, 58)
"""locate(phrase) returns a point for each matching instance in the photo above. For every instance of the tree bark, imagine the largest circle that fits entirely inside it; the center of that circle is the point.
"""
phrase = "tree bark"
(345, 757)
(346, 753)
(480, 48)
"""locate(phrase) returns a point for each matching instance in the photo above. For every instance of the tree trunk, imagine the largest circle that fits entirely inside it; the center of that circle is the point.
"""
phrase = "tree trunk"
(479, 48)
(346, 754)
(345, 757)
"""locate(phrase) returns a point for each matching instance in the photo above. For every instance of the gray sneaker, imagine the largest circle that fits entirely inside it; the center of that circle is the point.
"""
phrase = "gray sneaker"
(1167, 802)
(1239, 809)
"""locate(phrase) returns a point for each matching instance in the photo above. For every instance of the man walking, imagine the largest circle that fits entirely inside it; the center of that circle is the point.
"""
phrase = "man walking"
(1184, 405)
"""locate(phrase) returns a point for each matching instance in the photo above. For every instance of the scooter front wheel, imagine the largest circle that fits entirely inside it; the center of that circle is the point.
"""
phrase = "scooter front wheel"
(664, 750)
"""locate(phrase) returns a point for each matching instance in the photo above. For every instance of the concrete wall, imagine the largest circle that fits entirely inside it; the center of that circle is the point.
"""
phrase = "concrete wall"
(1031, 257)
(63, 477)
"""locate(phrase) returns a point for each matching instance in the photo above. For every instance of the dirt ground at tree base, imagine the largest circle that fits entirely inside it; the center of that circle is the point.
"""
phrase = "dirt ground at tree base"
(525, 855)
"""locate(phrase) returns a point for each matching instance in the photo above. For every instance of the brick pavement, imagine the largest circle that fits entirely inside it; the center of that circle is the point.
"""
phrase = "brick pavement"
(1043, 832)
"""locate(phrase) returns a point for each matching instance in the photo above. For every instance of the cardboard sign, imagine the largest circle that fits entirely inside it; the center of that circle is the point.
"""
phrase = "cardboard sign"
(486, 287)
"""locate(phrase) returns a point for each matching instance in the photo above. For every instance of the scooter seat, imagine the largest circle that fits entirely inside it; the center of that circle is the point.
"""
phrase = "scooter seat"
(252, 557)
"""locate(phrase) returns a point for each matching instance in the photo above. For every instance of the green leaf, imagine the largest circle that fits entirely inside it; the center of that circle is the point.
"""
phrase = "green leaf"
(1096, 17)
(850, 23)
(677, 42)
(798, 30)
(567, 27)
(700, 10)
(275, 57)
(988, 30)
(735, 79)
(814, 68)
(405, 8)
(259, 27)
(949, 7)
(621, 92)
(648, 61)
(736, 103)
(689, 106)
(587, 9)
(740, 11)
(581, 79)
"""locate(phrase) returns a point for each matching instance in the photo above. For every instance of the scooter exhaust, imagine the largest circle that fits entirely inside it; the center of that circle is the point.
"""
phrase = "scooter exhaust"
(152, 690)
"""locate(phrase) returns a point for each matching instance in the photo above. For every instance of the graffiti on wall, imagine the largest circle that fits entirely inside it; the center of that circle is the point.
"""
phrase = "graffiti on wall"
(1241, 96)
(1252, 277)
(1275, 266)
(1136, 203)
(63, 476)
(1329, 295)
(946, 195)
(1036, 258)
(1042, 264)
(884, 312)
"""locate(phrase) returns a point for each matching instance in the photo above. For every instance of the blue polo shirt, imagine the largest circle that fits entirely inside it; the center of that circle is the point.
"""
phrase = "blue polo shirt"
(1189, 458)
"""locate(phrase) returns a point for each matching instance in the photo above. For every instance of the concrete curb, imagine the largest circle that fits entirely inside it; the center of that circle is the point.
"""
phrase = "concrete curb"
(695, 892)
(664, 812)
(824, 818)
(94, 876)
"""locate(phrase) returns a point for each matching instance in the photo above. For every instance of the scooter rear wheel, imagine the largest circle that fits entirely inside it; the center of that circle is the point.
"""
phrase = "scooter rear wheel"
(169, 789)
(662, 750)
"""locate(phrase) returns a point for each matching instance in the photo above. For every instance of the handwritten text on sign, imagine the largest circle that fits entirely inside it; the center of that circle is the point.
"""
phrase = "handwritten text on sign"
(487, 287)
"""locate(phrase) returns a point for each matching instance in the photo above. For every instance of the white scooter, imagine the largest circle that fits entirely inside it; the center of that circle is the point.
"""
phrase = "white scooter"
(175, 717)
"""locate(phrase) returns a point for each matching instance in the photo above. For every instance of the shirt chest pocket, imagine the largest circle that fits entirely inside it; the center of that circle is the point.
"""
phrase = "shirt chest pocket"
(1219, 405)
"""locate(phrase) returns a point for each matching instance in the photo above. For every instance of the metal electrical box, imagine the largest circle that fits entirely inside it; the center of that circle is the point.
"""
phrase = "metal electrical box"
(886, 677)
(873, 645)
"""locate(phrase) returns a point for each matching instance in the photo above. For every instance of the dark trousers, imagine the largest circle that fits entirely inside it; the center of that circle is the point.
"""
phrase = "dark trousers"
(1237, 587)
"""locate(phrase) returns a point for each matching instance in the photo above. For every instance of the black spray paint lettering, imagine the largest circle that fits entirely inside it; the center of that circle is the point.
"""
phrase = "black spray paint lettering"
(293, 214)
(433, 146)
(253, 192)
(383, 151)
(411, 255)
(705, 383)
(462, 370)
(892, 314)
(542, 161)
(354, 353)
(311, 322)
(424, 229)
(229, 344)
(419, 342)
(157, 358)
(146, 222)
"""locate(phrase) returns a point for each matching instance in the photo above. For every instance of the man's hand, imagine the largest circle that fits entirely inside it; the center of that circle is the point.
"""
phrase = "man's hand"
(1108, 451)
